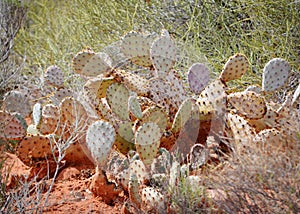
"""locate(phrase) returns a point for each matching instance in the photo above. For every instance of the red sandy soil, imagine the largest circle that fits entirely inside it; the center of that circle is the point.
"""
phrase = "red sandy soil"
(70, 192)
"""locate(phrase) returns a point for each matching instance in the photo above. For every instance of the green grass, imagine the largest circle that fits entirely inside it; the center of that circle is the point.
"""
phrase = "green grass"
(56, 30)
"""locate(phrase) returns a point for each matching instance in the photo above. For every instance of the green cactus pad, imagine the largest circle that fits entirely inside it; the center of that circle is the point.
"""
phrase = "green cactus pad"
(50, 119)
(81, 59)
(117, 96)
(95, 89)
(100, 137)
(213, 98)
(147, 140)
(248, 104)
(125, 131)
(10, 127)
(136, 46)
(133, 82)
(275, 74)
(182, 115)
(163, 55)
(54, 76)
(135, 107)
(37, 114)
(155, 115)
(133, 190)
(16, 101)
(234, 68)
(99, 63)
(198, 77)
(122, 145)
(152, 200)
(34, 147)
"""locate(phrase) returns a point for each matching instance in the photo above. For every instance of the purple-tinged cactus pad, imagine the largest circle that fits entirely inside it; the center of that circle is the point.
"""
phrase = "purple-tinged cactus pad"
(198, 77)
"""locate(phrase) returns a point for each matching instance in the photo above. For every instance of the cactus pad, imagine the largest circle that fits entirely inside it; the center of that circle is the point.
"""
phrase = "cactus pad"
(213, 97)
(100, 137)
(81, 59)
(37, 114)
(275, 74)
(243, 133)
(135, 46)
(182, 115)
(117, 96)
(99, 63)
(54, 76)
(133, 190)
(248, 104)
(73, 113)
(50, 119)
(234, 68)
(163, 55)
(34, 147)
(16, 101)
(10, 127)
(147, 140)
(60, 94)
(152, 201)
(138, 168)
(155, 115)
(133, 82)
(269, 137)
(198, 77)
(135, 107)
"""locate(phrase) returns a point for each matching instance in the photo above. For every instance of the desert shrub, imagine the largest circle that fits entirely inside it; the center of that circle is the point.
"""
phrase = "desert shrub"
(12, 16)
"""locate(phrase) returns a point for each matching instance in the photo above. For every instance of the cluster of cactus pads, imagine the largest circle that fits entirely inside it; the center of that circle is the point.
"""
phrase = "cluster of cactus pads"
(131, 123)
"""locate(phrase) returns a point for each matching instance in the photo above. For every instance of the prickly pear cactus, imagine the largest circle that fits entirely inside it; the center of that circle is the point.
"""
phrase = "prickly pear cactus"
(99, 63)
(54, 76)
(163, 55)
(183, 114)
(50, 119)
(10, 127)
(243, 133)
(133, 190)
(35, 147)
(234, 68)
(138, 168)
(117, 96)
(147, 140)
(135, 107)
(269, 138)
(198, 77)
(81, 59)
(135, 46)
(16, 101)
(57, 96)
(125, 137)
(275, 74)
(213, 98)
(155, 115)
(133, 82)
(152, 200)
(100, 137)
(37, 114)
(248, 104)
